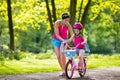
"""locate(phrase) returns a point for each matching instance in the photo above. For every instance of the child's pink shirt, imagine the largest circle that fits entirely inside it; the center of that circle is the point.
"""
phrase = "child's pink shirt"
(77, 40)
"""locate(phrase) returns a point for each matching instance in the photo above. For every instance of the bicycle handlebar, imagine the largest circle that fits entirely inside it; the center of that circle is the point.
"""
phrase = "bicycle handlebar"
(63, 44)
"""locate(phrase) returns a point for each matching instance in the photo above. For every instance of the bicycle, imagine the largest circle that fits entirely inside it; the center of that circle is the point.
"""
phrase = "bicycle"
(71, 65)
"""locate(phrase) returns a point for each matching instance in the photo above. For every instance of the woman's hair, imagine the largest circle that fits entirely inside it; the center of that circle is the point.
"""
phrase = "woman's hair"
(65, 15)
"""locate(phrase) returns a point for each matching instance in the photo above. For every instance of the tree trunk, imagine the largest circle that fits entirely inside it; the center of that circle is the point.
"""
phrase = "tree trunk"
(79, 16)
(73, 4)
(117, 37)
(11, 31)
(49, 16)
(53, 10)
(0, 30)
(84, 16)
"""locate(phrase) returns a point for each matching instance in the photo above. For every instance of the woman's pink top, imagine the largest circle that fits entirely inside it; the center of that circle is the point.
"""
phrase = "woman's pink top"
(62, 32)
(77, 40)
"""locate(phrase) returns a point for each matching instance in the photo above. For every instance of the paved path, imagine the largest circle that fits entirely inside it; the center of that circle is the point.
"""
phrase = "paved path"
(93, 74)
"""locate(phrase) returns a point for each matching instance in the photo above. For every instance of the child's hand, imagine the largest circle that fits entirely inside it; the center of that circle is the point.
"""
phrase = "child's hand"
(68, 41)
(82, 43)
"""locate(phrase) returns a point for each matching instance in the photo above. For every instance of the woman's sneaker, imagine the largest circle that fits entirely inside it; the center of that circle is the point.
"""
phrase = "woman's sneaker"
(62, 74)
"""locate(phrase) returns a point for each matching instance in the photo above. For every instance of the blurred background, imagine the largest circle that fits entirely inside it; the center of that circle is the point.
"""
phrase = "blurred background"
(32, 24)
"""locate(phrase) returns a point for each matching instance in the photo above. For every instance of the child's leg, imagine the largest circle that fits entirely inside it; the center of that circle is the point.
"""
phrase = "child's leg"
(81, 59)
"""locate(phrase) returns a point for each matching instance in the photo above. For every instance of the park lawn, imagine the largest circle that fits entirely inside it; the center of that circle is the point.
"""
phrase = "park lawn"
(29, 66)
(103, 61)
(51, 65)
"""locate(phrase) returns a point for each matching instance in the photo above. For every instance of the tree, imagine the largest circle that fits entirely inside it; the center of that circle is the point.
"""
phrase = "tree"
(53, 10)
(31, 23)
(73, 11)
(11, 31)
(49, 16)
(80, 11)
(85, 14)
(0, 30)
(116, 19)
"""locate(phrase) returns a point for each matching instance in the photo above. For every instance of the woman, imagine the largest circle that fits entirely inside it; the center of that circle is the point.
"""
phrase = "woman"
(61, 30)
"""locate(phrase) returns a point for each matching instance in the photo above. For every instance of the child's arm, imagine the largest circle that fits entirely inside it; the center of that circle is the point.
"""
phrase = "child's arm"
(85, 39)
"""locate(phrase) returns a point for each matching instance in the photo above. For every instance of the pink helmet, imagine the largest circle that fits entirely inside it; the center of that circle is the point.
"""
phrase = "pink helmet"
(78, 26)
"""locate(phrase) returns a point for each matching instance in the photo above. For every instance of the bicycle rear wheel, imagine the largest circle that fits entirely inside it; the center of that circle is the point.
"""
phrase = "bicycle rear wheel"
(82, 73)
(69, 70)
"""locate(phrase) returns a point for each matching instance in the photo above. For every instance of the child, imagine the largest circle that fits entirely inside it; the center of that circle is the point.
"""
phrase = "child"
(79, 42)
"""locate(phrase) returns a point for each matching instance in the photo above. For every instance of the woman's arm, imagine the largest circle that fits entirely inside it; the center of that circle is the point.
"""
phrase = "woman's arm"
(57, 31)
(71, 33)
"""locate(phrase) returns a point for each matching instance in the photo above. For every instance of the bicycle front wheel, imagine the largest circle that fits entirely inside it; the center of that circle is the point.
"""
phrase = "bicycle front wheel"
(69, 70)
(82, 73)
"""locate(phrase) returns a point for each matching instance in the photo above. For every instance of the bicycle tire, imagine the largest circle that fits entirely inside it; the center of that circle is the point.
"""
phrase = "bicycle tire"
(69, 72)
(84, 71)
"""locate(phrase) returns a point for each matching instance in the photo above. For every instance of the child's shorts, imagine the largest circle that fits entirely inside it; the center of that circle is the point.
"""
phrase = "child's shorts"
(80, 51)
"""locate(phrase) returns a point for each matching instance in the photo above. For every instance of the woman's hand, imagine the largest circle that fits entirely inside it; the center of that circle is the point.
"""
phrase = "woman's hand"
(67, 41)
(64, 41)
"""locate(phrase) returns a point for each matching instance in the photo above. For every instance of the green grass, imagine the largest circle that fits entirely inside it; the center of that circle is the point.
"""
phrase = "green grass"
(29, 66)
(51, 65)
(101, 61)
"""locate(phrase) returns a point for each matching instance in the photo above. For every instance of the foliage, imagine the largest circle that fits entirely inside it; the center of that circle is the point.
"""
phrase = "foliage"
(101, 28)
(19, 55)
(32, 29)
(43, 56)
(2, 58)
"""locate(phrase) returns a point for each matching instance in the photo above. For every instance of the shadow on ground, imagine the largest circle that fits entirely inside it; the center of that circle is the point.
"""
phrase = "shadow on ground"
(84, 78)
